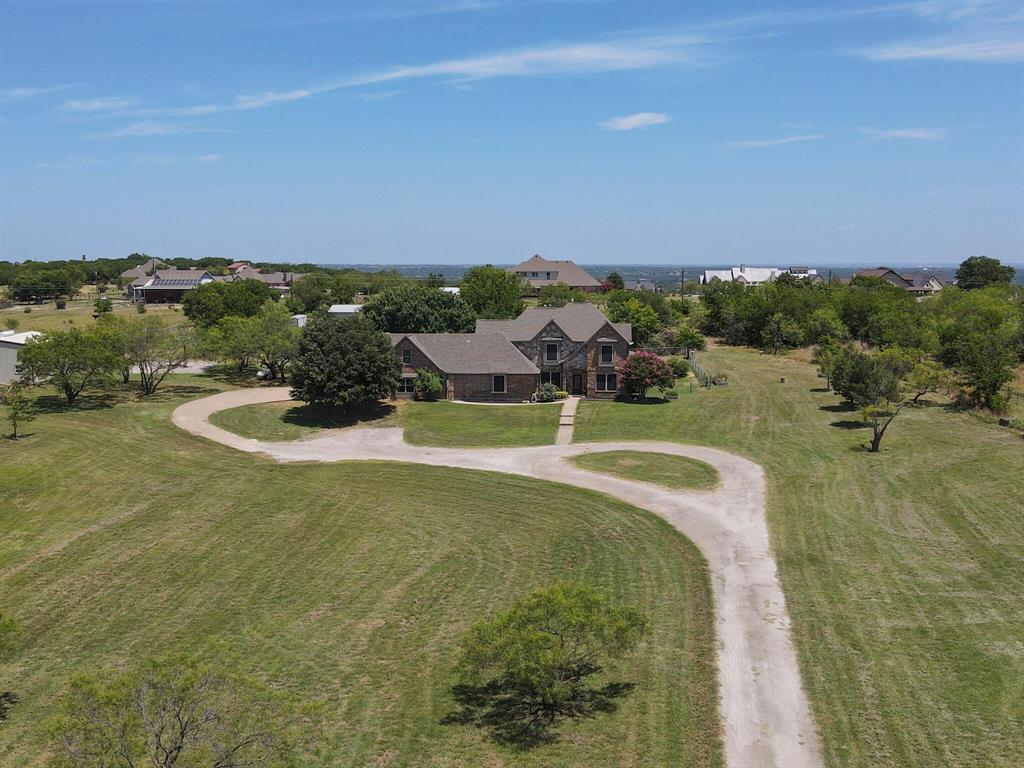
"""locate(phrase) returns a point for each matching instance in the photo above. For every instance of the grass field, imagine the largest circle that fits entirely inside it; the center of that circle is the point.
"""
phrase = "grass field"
(345, 584)
(903, 570)
(288, 421)
(46, 317)
(658, 468)
(440, 423)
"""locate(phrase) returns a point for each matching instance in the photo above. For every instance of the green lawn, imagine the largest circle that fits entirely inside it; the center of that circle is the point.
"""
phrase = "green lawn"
(462, 425)
(440, 423)
(903, 571)
(78, 313)
(658, 468)
(288, 421)
(344, 584)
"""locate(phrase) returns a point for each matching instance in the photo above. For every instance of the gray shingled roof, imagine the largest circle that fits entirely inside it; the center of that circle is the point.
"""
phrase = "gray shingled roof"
(470, 352)
(580, 321)
(567, 272)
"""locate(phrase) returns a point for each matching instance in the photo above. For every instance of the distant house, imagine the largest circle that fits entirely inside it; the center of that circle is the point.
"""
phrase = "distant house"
(756, 275)
(539, 272)
(574, 347)
(450, 289)
(300, 320)
(281, 281)
(145, 269)
(917, 284)
(167, 285)
(10, 345)
(343, 310)
(642, 284)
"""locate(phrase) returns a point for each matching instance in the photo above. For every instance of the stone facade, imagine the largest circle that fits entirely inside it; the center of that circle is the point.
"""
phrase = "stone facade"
(575, 359)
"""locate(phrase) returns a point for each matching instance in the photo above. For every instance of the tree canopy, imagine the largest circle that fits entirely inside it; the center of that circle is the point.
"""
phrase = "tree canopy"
(493, 293)
(981, 272)
(417, 308)
(344, 362)
(545, 647)
(210, 302)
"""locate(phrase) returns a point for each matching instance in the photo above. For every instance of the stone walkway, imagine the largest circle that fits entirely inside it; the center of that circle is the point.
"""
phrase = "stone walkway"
(567, 421)
(765, 714)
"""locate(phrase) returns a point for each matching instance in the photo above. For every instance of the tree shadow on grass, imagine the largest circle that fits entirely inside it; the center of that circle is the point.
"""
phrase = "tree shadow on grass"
(58, 404)
(837, 407)
(175, 392)
(7, 700)
(511, 719)
(325, 417)
(230, 374)
(847, 424)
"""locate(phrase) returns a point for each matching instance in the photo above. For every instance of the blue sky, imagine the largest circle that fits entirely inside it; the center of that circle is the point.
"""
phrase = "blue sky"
(462, 131)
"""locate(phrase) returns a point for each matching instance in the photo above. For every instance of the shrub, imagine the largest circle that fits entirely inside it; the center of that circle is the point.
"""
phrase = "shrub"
(28, 310)
(542, 650)
(140, 307)
(561, 394)
(680, 368)
(547, 393)
(11, 323)
(642, 371)
(103, 305)
(61, 303)
(427, 385)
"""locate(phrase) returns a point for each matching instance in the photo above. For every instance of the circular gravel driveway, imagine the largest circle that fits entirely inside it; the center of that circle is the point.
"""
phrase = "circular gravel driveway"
(765, 713)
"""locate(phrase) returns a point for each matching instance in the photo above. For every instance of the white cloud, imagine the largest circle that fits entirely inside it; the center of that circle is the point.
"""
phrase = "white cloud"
(622, 55)
(20, 94)
(639, 120)
(99, 104)
(998, 51)
(209, 158)
(755, 143)
(151, 128)
(915, 134)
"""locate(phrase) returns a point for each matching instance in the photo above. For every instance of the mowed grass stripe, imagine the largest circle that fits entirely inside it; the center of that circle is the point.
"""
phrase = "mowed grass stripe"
(903, 571)
(346, 584)
(666, 470)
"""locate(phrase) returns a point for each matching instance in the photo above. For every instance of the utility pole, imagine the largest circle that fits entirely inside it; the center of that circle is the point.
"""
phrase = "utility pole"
(682, 281)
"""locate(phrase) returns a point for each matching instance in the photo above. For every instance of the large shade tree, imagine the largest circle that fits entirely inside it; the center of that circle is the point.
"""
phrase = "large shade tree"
(69, 360)
(344, 362)
(982, 271)
(492, 292)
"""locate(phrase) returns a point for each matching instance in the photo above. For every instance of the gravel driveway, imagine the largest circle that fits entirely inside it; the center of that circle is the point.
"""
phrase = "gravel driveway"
(765, 713)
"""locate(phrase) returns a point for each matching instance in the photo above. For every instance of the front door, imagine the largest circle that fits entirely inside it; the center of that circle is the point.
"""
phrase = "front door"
(577, 384)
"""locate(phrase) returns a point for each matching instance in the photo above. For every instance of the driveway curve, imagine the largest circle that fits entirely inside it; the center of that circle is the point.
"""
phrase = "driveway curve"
(765, 714)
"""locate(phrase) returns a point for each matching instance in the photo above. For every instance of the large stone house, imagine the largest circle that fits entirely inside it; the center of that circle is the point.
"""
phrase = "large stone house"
(539, 272)
(917, 284)
(575, 348)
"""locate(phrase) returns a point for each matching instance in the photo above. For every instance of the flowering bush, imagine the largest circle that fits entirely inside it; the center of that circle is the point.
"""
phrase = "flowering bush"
(642, 371)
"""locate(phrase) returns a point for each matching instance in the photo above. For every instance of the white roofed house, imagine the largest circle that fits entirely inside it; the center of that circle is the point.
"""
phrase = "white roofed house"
(344, 310)
(10, 345)
(756, 275)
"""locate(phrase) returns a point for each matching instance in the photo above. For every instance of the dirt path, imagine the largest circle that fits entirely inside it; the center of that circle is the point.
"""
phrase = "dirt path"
(765, 713)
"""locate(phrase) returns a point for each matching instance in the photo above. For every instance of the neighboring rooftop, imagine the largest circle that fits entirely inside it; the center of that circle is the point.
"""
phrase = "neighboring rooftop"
(538, 272)
(10, 337)
(578, 320)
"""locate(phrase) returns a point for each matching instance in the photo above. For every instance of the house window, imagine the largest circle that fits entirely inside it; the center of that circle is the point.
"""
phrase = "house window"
(607, 382)
(407, 356)
(607, 354)
(551, 377)
(407, 385)
(498, 385)
(551, 353)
